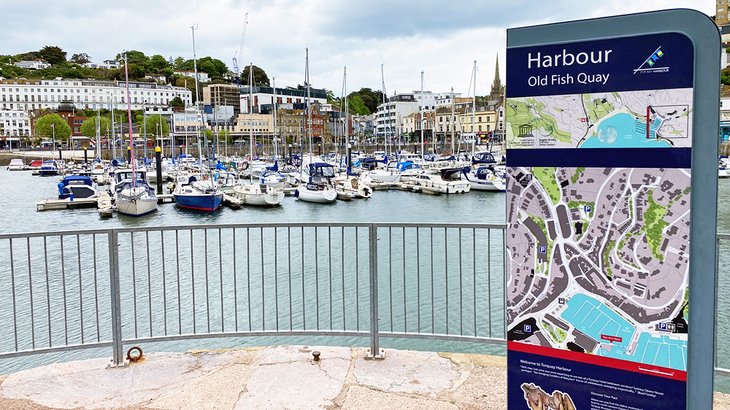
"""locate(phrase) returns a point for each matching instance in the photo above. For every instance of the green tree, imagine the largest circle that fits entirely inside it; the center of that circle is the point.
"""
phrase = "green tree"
(158, 63)
(370, 98)
(52, 125)
(259, 76)
(177, 103)
(724, 76)
(356, 105)
(214, 67)
(80, 58)
(151, 123)
(133, 56)
(88, 127)
(54, 55)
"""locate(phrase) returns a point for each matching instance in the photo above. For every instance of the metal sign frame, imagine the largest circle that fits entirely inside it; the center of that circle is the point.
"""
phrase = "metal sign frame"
(705, 37)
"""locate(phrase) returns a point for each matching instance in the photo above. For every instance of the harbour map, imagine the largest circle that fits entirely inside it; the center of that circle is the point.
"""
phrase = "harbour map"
(646, 118)
(598, 261)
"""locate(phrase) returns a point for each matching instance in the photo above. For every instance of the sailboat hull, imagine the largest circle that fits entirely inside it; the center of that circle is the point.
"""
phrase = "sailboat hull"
(325, 196)
(136, 207)
(200, 202)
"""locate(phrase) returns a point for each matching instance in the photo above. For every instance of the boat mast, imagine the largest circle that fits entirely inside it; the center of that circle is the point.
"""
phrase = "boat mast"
(452, 121)
(420, 118)
(98, 132)
(250, 118)
(132, 159)
(197, 104)
(386, 113)
(309, 111)
(114, 134)
(345, 123)
(473, 109)
(275, 140)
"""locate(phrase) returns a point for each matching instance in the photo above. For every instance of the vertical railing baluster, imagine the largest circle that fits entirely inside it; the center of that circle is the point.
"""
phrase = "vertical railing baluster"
(433, 309)
(276, 276)
(504, 282)
(418, 276)
(288, 266)
(134, 283)
(316, 272)
(304, 310)
(446, 275)
(248, 275)
(149, 279)
(357, 277)
(390, 276)
(235, 282)
(474, 273)
(192, 280)
(374, 318)
(207, 280)
(342, 265)
(12, 286)
(489, 278)
(164, 282)
(177, 272)
(263, 294)
(116, 309)
(96, 289)
(48, 291)
(220, 276)
(329, 259)
(405, 293)
(63, 281)
(30, 291)
(461, 291)
(81, 287)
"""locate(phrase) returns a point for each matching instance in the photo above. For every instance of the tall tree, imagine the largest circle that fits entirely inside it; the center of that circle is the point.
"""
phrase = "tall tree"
(80, 58)
(52, 126)
(151, 123)
(177, 102)
(88, 127)
(53, 54)
(158, 63)
(259, 76)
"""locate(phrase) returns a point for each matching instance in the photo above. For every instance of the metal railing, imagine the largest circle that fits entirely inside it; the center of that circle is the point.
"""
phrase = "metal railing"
(349, 281)
(88, 289)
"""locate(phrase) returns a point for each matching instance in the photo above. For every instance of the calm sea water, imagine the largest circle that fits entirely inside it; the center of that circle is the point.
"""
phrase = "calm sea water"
(19, 191)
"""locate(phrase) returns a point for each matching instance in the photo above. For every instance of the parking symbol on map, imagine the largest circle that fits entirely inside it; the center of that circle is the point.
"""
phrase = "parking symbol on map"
(561, 301)
(527, 328)
(542, 249)
(587, 208)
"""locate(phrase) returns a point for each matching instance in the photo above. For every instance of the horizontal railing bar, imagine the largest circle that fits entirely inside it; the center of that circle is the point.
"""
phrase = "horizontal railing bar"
(66, 348)
(722, 371)
(723, 235)
(443, 337)
(249, 225)
(172, 338)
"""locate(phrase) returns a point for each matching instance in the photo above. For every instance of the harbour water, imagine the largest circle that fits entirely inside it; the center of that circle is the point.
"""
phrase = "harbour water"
(20, 190)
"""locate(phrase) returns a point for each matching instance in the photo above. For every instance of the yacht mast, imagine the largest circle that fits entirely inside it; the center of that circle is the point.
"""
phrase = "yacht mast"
(452, 122)
(420, 118)
(251, 140)
(309, 111)
(275, 139)
(132, 159)
(386, 113)
(473, 109)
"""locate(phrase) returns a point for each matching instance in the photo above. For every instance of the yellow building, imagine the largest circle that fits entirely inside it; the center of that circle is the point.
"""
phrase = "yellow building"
(721, 12)
(481, 124)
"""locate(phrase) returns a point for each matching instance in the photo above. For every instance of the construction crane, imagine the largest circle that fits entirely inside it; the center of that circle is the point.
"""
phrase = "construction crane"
(240, 50)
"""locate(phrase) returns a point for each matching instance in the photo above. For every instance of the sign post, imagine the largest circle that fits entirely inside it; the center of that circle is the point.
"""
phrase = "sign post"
(612, 133)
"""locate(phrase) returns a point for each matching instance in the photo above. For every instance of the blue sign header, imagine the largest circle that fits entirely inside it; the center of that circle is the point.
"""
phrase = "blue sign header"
(648, 62)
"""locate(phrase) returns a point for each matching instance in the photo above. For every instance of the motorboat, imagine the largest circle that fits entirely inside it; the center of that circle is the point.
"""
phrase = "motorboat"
(76, 187)
(446, 181)
(485, 178)
(722, 170)
(259, 194)
(132, 194)
(199, 194)
(319, 188)
(16, 164)
(48, 168)
(353, 184)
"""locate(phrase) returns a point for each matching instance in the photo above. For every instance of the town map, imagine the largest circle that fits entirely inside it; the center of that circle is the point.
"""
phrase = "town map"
(654, 118)
(598, 261)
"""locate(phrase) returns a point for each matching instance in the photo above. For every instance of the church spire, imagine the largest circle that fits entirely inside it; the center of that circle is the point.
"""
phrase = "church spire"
(497, 88)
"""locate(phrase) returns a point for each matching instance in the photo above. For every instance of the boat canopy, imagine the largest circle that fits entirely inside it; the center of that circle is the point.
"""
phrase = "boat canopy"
(483, 158)
(77, 180)
(450, 174)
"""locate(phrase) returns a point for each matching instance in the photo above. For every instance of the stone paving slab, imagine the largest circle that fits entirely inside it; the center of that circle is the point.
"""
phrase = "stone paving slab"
(282, 377)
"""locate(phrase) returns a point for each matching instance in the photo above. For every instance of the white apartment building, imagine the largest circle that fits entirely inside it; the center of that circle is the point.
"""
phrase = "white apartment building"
(27, 95)
(14, 123)
(445, 98)
(287, 97)
(391, 114)
(32, 64)
(108, 64)
(202, 77)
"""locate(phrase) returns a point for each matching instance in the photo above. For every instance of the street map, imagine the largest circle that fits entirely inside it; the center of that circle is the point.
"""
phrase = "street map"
(598, 257)
(656, 118)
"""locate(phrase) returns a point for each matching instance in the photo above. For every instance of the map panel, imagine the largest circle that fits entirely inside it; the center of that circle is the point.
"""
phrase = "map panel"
(598, 261)
(627, 119)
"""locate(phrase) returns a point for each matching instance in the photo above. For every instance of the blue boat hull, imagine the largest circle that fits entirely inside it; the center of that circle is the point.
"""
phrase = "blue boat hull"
(205, 203)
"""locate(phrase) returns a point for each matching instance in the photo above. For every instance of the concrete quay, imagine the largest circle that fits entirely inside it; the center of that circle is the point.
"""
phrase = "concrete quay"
(280, 377)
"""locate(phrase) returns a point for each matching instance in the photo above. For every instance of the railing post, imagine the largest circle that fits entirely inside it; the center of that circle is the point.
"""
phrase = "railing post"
(116, 311)
(375, 352)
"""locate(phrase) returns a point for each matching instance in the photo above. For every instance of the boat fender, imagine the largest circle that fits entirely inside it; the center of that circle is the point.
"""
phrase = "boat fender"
(60, 188)
(296, 193)
(244, 165)
(133, 358)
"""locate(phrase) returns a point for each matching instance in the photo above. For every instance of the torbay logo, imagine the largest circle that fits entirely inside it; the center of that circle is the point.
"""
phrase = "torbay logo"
(651, 64)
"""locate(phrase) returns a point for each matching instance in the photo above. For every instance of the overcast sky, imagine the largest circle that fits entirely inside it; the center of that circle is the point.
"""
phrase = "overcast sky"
(440, 37)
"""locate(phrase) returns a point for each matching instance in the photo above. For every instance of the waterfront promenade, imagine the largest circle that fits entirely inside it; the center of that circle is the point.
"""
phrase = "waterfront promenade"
(270, 378)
